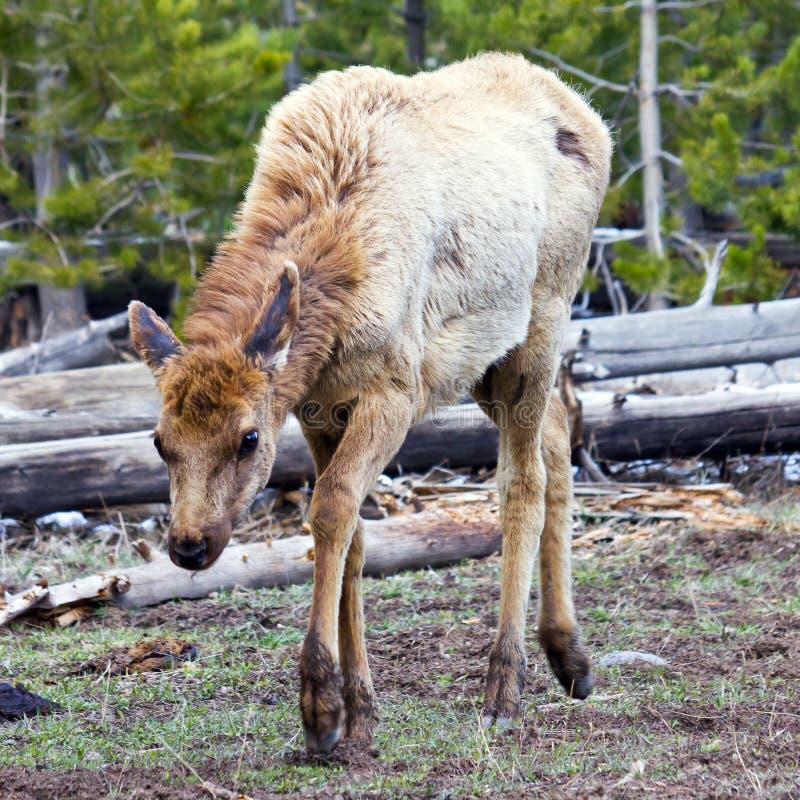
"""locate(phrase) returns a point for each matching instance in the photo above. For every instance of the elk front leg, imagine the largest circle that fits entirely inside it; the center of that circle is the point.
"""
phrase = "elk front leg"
(359, 697)
(375, 430)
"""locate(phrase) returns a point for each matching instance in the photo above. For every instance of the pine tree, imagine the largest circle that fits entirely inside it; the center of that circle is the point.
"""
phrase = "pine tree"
(154, 116)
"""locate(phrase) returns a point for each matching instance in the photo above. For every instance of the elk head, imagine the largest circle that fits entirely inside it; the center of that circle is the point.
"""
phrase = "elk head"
(217, 428)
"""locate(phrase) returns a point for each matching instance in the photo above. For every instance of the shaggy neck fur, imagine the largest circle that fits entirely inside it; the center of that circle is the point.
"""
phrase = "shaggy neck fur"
(302, 205)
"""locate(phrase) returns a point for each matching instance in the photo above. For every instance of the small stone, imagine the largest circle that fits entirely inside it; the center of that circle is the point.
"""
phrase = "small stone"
(63, 520)
(629, 657)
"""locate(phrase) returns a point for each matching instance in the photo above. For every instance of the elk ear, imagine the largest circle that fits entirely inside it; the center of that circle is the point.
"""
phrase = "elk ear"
(270, 338)
(151, 336)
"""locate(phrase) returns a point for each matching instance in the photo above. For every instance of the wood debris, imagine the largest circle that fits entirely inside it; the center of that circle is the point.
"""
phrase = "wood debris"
(66, 603)
(430, 520)
(152, 655)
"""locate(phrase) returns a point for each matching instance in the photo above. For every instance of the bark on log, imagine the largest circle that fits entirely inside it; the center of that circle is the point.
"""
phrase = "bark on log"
(410, 541)
(83, 402)
(75, 473)
(727, 421)
(684, 338)
(91, 471)
(86, 346)
(93, 587)
(123, 397)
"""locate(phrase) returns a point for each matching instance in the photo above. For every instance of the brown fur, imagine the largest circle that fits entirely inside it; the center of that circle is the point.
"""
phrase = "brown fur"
(403, 240)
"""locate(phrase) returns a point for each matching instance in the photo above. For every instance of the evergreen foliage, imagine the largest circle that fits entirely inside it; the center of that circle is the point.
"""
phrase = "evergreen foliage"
(150, 109)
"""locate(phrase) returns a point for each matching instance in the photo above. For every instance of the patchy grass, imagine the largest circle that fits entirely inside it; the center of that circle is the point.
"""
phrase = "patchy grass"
(722, 720)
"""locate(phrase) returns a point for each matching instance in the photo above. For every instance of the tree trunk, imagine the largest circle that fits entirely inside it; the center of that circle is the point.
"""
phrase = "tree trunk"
(60, 310)
(292, 76)
(650, 136)
(414, 15)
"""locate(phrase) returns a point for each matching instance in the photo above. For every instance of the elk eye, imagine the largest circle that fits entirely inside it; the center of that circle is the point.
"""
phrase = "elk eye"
(249, 443)
(157, 445)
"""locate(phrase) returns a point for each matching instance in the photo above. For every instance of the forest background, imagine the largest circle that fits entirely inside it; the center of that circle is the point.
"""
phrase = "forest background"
(127, 133)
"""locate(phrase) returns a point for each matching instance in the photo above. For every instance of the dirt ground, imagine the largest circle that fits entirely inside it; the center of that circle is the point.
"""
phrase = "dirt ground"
(721, 720)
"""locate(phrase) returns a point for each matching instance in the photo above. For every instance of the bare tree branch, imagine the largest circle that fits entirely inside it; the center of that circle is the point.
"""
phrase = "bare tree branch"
(115, 176)
(621, 299)
(663, 6)
(200, 157)
(677, 4)
(62, 253)
(127, 92)
(679, 91)
(632, 170)
(614, 51)
(713, 269)
(601, 265)
(669, 38)
(10, 223)
(603, 236)
(3, 109)
(601, 83)
(115, 209)
(712, 266)
(671, 157)
(614, 9)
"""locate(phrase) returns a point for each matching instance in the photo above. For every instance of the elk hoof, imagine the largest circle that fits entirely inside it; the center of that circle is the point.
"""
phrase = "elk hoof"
(569, 660)
(321, 703)
(500, 724)
(323, 717)
(362, 712)
(504, 682)
(322, 743)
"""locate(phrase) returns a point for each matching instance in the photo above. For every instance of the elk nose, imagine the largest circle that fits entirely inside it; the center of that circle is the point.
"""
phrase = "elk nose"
(189, 554)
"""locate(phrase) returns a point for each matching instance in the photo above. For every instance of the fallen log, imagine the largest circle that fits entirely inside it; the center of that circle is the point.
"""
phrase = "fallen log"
(87, 472)
(728, 421)
(430, 538)
(697, 381)
(16, 605)
(86, 346)
(408, 541)
(82, 402)
(123, 397)
(683, 339)
(93, 471)
(63, 595)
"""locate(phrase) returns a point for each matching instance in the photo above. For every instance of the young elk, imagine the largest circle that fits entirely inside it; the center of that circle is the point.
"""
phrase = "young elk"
(402, 240)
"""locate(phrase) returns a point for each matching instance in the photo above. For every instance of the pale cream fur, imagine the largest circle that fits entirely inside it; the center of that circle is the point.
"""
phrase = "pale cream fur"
(440, 225)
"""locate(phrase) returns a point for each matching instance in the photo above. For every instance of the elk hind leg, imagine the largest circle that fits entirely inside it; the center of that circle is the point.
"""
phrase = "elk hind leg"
(521, 484)
(558, 630)
(359, 697)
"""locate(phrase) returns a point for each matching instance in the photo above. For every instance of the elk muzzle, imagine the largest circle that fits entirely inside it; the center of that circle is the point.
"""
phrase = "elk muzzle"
(199, 550)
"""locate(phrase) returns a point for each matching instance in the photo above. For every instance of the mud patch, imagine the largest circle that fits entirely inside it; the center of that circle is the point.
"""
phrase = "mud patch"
(24, 783)
(722, 717)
